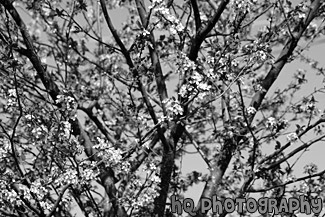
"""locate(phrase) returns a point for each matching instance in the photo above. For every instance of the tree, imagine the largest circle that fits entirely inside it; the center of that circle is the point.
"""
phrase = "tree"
(97, 113)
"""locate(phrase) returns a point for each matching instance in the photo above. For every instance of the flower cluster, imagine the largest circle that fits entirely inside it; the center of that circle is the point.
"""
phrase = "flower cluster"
(243, 5)
(310, 169)
(82, 177)
(69, 177)
(173, 107)
(4, 148)
(276, 125)
(259, 51)
(290, 178)
(197, 83)
(12, 102)
(112, 156)
(140, 193)
(185, 64)
(162, 13)
(39, 132)
(65, 129)
(40, 192)
(68, 105)
(251, 110)
(271, 123)
(88, 175)
(292, 137)
(9, 196)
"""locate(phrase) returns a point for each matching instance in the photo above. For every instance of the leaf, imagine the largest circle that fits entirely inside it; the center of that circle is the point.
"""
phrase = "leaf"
(82, 5)
(278, 145)
(59, 12)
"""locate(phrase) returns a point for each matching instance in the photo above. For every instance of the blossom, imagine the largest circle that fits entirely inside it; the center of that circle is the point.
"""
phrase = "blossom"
(46, 205)
(68, 105)
(12, 98)
(156, 3)
(174, 107)
(12, 93)
(301, 16)
(203, 17)
(290, 178)
(88, 174)
(251, 110)
(261, 56)
(69, 177)
(39, 131)
(90, 12)
(66, 129)
(29, 117)
(271, 123)
(310, 168)
(145, 33)
(155, 179)
(4, 148)
(243, 5)
(292, 137)
(112, 156)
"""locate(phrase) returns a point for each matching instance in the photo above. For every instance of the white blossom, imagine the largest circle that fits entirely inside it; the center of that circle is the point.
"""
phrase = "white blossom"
(271, 123)
(292, 137)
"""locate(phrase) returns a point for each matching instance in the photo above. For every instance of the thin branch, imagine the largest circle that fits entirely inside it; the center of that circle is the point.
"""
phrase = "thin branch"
(57, 203)
(292, 153)
(115, 35)
(197, 148)
(252, 190)
(26, 202)
(54, 91)
(135, 72)
(249, 127)
(201, 35)
(226, 154)
(44, 76)
(155, 62)
(286, 20)
(5, 213)
(98, 123)
(279, 151)
(283, 57)
(258, 16)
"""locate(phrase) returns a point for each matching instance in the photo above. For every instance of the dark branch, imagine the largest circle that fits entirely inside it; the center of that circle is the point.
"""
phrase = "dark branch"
(197, 17)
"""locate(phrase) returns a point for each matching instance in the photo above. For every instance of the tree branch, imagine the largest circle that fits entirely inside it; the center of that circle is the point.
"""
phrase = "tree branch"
(203, 32)
(291, 154)
(252, 190)
(135, 73)
(98, 123)
(45, 77)
(230, 144)
(279, 151)
(283, 57)
(54, 91)
(155, 62)
(115, 35)
(58, 200)
(197, 17)
(198, 148)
